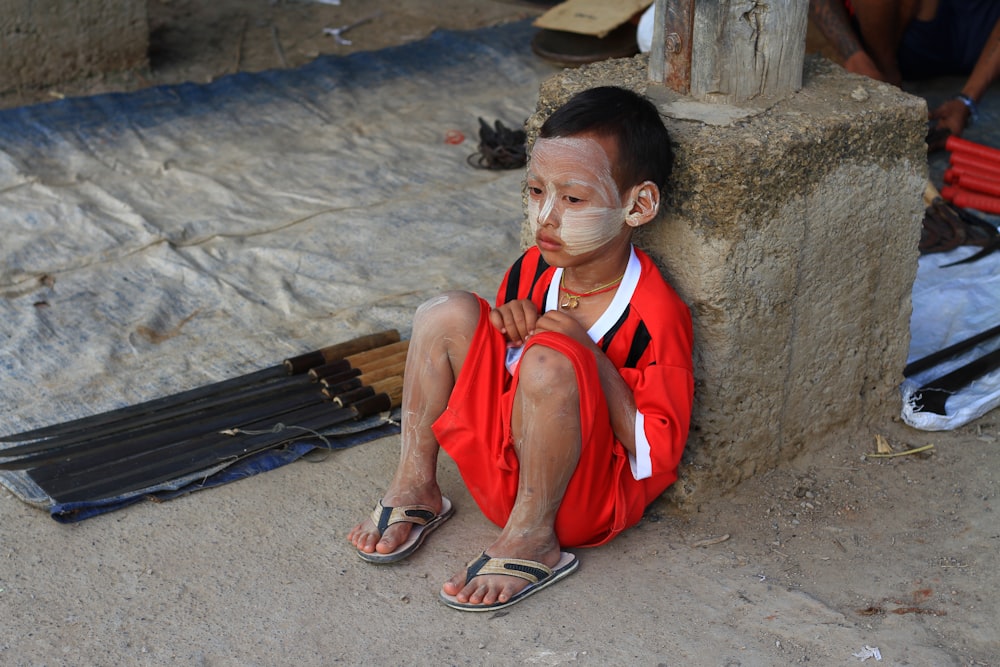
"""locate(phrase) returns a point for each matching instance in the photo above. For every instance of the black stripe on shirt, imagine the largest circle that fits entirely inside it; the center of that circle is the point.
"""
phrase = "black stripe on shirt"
(513, 280)
(606, 340)
(640, 342)
(542, 267)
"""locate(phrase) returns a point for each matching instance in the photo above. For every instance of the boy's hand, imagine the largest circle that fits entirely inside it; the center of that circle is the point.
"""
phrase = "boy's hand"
(560, 322)
(516, 320)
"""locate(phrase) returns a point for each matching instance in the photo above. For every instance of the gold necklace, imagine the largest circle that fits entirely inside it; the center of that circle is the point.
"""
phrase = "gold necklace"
(572, 299)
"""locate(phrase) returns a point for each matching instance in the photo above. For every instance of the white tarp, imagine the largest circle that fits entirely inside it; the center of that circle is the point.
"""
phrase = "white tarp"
(161, 240)
(952, 304)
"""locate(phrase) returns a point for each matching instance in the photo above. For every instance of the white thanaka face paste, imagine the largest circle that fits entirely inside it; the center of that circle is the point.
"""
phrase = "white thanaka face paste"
(572, 193)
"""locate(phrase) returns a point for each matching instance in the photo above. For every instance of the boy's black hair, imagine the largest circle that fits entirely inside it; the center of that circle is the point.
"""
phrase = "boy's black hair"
(644, 152)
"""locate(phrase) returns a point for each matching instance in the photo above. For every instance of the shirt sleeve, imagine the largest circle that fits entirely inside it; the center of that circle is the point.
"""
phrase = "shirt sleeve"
(663, 397)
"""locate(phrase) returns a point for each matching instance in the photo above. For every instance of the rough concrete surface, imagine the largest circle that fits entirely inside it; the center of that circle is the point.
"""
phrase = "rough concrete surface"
(811, 563)
(45, 43)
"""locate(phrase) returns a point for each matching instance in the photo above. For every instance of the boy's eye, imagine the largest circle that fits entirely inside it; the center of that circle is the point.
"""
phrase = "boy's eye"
(535, 191)
(573, 200)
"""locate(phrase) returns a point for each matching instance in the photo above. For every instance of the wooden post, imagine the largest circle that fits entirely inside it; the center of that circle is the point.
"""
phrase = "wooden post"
(729, 51)
(670, 51)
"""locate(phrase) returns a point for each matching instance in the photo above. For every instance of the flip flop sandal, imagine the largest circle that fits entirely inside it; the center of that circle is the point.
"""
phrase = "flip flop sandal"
(537, 575)
(425, 522)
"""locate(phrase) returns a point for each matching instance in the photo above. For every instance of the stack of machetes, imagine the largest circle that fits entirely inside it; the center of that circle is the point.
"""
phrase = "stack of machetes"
(933, 395)
(123, 451)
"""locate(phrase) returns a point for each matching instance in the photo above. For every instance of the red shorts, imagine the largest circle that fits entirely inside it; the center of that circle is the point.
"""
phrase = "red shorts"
(475, 430)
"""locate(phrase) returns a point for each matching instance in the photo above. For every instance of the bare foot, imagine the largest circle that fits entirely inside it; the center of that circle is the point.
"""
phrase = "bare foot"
(365, 536)
(493, 588)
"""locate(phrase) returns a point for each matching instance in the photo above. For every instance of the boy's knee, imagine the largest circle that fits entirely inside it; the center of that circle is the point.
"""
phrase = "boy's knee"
(545, 370)
(455, 309)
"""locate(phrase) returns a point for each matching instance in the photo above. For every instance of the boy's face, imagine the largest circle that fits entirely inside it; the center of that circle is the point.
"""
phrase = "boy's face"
(574, 204)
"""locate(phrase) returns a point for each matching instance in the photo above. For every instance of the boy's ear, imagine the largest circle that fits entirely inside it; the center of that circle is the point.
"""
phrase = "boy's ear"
(643, 203)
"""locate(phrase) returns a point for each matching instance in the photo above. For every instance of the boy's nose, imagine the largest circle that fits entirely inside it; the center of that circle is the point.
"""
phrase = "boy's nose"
(548, 214)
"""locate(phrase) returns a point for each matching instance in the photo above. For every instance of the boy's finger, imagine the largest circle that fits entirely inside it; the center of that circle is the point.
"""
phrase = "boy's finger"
(496, 319)
(516, 322)
(505, 325)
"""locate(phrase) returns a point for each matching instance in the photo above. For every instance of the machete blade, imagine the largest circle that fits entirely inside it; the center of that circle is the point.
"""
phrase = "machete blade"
(292, 366)
(147, 469)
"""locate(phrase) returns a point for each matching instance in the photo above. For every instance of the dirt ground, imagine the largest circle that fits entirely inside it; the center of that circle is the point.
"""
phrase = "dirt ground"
(809, 563)
(201, 41)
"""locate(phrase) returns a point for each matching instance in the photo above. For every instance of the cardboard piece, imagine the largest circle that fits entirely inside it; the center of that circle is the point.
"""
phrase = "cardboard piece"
(590, 17)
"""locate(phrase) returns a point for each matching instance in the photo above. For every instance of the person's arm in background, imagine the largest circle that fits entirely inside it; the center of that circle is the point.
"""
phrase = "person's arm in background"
(954, 114)
(832, 20)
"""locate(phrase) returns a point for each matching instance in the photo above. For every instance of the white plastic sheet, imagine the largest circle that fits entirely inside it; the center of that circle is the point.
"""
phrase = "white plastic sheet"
(952, 304)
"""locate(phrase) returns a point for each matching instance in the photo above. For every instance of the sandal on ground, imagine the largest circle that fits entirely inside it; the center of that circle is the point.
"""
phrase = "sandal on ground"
(423, 518)
(537, 575)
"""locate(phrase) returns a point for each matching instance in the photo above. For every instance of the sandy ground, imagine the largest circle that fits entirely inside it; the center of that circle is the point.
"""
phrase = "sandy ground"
(819, 562)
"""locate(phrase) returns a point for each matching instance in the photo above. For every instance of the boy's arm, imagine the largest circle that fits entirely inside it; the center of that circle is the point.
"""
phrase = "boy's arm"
(652, 353)
(621, 401)
(659, 407)
(663, 395)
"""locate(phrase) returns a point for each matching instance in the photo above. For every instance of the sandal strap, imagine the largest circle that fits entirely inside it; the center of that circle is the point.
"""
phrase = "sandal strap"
(383, 516)
(529, 570)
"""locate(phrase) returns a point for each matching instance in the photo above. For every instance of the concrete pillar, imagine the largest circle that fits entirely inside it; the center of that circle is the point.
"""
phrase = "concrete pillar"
(44, 42)
(792, 233)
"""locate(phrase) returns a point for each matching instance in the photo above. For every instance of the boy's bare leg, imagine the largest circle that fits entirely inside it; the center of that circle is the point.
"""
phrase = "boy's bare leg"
(442, 330)
(546, 427)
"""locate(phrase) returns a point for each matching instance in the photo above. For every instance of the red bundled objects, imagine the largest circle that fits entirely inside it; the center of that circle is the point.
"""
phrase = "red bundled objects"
(974, 176)
(969, 199)
(959, 145)
(987, 185)
(970, 163)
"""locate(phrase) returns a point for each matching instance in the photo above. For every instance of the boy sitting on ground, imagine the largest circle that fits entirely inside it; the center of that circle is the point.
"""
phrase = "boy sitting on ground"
(565, 407)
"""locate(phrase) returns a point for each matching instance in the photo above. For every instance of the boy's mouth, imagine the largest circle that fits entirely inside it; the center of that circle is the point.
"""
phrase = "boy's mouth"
(546, 242)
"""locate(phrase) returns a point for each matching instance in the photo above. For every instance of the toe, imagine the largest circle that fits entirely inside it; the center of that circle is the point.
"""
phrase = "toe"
(364, 536)
(355, 536)
(393, 536)
(484, 589)
(454, 585)
(475, 594)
